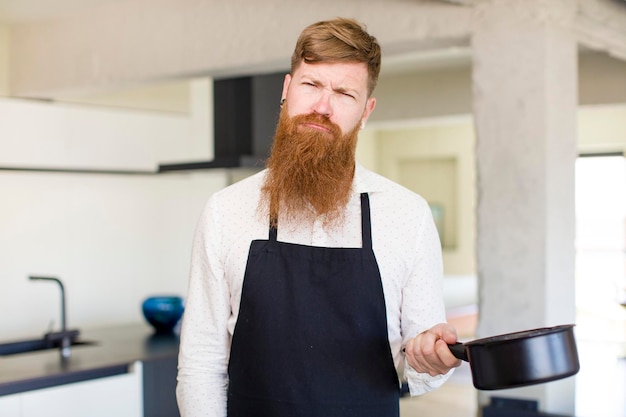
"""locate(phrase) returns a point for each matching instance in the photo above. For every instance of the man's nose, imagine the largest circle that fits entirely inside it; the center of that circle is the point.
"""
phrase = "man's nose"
(323, 105)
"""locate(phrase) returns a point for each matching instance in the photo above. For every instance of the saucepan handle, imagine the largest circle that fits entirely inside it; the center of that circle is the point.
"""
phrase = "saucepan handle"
(459, 351)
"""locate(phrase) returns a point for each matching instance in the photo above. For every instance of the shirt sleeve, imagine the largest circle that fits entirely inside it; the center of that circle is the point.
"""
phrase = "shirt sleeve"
(205, 343)
(422, 300)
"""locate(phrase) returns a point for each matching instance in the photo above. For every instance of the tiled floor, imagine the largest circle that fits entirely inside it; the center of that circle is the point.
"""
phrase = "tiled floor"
(456, 398)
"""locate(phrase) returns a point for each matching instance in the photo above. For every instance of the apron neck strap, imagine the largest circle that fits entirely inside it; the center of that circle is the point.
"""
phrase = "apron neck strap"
(366, 225)
(273, 233)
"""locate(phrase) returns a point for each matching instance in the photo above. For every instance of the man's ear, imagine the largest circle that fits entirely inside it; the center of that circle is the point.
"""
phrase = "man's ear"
(369, 108)
(286, 83)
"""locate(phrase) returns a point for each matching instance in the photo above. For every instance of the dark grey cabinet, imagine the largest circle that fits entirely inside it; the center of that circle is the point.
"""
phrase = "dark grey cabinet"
(159, 388)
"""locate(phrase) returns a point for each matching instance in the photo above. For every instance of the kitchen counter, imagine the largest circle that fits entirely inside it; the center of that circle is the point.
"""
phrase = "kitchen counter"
(113, 352)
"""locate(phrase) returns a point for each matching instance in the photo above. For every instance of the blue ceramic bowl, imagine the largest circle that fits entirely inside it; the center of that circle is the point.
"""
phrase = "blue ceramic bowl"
(163, 312)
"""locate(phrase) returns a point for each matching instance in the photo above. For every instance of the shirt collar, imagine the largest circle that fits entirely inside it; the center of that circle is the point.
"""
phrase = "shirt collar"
(366, 181)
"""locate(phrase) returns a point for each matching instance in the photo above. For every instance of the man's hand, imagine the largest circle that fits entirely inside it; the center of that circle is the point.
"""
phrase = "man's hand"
(428, 351)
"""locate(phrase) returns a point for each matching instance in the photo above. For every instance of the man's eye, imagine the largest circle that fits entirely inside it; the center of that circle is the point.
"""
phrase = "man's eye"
(345, 94)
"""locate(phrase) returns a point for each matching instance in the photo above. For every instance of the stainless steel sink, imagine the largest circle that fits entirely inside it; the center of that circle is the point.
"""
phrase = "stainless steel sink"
(41, 344)
(61, 340)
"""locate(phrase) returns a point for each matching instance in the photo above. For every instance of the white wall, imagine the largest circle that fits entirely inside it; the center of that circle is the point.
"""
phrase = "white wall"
(602, 128)
(426, 144)
(113, 239)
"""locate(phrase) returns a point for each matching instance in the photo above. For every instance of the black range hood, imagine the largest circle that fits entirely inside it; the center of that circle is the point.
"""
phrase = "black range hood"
(245, 112)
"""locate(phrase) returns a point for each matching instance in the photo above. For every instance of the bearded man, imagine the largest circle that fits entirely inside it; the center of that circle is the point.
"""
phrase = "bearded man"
(316, 285)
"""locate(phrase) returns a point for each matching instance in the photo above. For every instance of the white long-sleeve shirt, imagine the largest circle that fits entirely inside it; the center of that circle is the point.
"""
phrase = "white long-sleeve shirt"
(405, 243)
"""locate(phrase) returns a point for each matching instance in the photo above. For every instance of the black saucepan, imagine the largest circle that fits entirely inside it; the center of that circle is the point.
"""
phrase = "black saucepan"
(522, 358)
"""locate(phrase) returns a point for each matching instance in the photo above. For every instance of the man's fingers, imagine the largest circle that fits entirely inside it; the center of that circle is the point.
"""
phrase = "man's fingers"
(428, 352)
(445, 355)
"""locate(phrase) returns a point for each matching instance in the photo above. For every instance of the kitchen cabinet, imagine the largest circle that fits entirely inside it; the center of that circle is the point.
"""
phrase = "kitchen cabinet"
(119, 395)
(10, 406)
(128, 371)
(159, 388)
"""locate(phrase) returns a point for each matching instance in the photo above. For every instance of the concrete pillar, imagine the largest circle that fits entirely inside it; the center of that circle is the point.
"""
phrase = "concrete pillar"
(525, 101)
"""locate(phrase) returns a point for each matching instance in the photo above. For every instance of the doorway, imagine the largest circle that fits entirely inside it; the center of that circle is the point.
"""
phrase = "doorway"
(601, 285)
(601, 248)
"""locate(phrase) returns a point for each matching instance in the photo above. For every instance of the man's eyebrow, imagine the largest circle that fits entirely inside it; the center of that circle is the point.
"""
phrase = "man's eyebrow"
(339, 89)
(309, 77)
(348, 90)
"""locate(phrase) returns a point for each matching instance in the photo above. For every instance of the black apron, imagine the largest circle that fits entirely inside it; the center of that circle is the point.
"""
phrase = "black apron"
(311, 336)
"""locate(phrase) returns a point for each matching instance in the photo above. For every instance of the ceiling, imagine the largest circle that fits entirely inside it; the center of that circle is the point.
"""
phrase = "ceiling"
(22, 11)
(19, 11)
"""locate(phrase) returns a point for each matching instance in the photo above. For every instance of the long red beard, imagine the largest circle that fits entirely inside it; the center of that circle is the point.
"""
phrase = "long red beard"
(309, 171)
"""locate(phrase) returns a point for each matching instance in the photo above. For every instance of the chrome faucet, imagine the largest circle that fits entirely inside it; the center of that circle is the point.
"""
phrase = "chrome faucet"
(64, 335)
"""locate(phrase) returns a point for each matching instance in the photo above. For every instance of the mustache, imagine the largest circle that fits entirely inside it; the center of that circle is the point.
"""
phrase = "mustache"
(317, 119)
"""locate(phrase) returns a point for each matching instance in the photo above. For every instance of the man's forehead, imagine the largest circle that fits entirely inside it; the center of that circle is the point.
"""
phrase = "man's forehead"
(348, 74)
